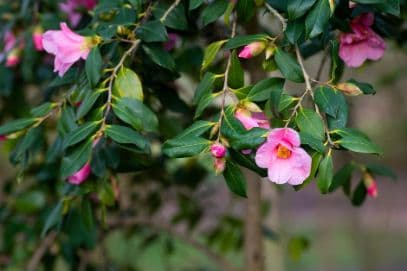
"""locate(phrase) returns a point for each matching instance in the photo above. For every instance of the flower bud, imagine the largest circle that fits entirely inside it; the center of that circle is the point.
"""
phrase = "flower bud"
(81, 175)
(370, 184)
(270, 51)
(3, 138)
(172, 42)
(13, 58)
(219, 165)
(252, 49)
(37, 39)
(349, 89)
(218, 150)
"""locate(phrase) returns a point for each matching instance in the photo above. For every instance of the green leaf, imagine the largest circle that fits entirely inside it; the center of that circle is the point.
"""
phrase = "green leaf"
(93, 66)
(176, 18)
(381, 170)
(247, 161)
(125, 135)
(356, 141)
(198, 128)
(342, 177)
(210, 53)
(366, 88)
(42, 110)
(285, 101)
(297, 8)
(337, 65)
(359, 195)
(245, 9)
(236, 73)
(188, 147)
(288, 66)
(87, 103)
(128, 84)
(325, 174)
(152, 31)
(295, 30)
(204, 87)
(81, 133)
(318, 18)
(160, 56)
(242, 40)
(30, 201)
(234, 179)
(250, 140)
(296, 247)
(16, 125)
(212, 12)
(263, 89)
(76, 159)
(314, 143)
(329, 100)
(194, 4)
(311, 123)
(86, 213)
(231, 127)
(135, 113)
(53, 218)
(204, 102)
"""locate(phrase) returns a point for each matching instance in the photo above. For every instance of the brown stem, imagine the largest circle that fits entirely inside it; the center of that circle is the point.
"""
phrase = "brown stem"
(40, 251)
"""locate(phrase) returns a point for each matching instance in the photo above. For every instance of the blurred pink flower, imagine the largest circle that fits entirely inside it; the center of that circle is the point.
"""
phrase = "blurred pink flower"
(3, 138)
(81, 175)
(362, 43)
(282, 155)
(71, 8)
(252, 49)
(13, 58)
(219, 165)
(370, 184)
(172, 41)
(218, 150)
(37, 39)
(252, 119)
(67, 46)
(12, 50)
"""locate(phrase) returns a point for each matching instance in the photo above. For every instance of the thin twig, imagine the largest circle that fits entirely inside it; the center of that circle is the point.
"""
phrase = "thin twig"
(162, 227)
(169, 10)
(278, 15)
(40, 251)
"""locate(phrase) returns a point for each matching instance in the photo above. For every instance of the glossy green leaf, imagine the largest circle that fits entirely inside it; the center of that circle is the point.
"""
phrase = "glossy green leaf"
(42, 110)
(342, 177)
(234, 179)
(288, 66)
(204, 102)
(295, 30)
(125, 135)
(315, 143)
(160, 56)
(16, 125)
(81, 133)
(297, 8)
(242, 40)
(176, 19)
(152, 31)
(198, 128)
(310, 123)
(263, 89)
(76, 159)
(250, 140)
(210, 53)
(204, 87)
(318, 18)
(128, 84)
(213, 11)
(93, 66)
(359, 195)
(194, 4)
(53, 218)
(356, 141)
(188, 147)
(330, 101)
(231, 127)
(87, 103)
(325, 174)
(381, 170)
(236, 73)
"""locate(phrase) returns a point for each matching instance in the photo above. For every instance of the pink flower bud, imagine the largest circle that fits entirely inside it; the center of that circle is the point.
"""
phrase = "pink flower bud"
(3, 138)
(218, 150)
(13, 58)
(81, 175)
(219, 165)
(37, 39)
(253, 49)
(67, 46)
(251, 119)
(370, 184)
(172, 41)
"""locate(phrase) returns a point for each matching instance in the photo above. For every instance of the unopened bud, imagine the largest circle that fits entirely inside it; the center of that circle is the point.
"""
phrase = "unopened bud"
(270, 51)
(370, 184)
(219, 165)
(37, 39)
(3, 138)
(252, 49)
(13, 58)
(218, 150)
(349, 89)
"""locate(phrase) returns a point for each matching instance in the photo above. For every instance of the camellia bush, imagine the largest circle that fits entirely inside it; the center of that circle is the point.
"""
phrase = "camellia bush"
(98, 98)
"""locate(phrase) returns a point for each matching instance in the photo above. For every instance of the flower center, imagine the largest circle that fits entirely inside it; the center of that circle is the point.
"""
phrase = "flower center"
(283, 152)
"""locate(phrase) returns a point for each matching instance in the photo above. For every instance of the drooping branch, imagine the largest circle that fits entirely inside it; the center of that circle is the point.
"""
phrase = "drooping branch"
(40, 251)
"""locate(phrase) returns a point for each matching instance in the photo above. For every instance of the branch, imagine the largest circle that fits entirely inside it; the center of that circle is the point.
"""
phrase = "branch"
(40, 251)
(278, 15)
(169, 10)
(161, 227)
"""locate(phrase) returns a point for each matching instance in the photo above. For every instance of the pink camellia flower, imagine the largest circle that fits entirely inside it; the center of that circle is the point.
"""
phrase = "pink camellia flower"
(37, 39)
(172, 41)
(12, 50)
(218, 150)
(362, 43)
(252, 49)
(252, 119)
(13, 58)
(219, 165)
(72, 9)
(370, 184)
(67, 46)
(81, 175)
(282, 155)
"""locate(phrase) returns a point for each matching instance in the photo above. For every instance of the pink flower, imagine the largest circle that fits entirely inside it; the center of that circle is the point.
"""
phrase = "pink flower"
(252, 119)
(72, 9)
(172, 41)
(81, 175)
(282, 156)
(13, 58)
(219, 165)
(3, 138)
(9, 41)
(12, 50)
(252, 49)
(218, 150)
(37, 39)
(362, 43)
(67, 46)
(370, 184)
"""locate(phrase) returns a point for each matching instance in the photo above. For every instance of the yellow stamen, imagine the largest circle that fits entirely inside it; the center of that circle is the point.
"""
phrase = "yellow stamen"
(283, 152)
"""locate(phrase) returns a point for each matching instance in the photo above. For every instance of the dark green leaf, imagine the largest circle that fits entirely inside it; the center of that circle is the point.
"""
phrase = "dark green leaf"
(212, 12)
(188, 147)
(356, 141)
(194, 4)
(87, 103)
(325, 174)
(318, 18)
(76, 159)
(124, 135)
(210, 53)
(263, 89)
(53, 218)
(314, 143)
(160, 56)
(288, 66)
(311, 123)
(297, 8)
(198, 128)
(381, 170)
(342, 177)
(330, 101)
(93, 66)
(152, 31)
(234, 178)
(204, 102)
(204, 87)
(366, 88)
(242, 40)
(176, 18)
(81, 133)
(236, 73)
(359, 195)
(16, 125)
(250, 140)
